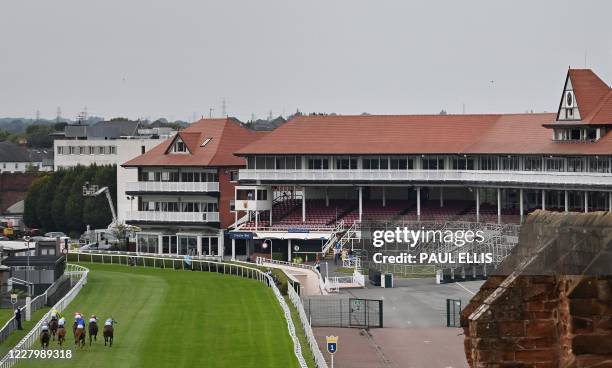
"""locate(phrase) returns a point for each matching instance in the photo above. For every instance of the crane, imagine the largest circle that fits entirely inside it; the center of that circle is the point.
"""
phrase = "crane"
(94, 191)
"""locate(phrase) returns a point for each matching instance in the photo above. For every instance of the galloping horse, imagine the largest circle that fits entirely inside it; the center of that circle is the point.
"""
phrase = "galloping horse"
(109, 331)
(79, 335)
(93, 330)
(61, 335)
(44, 339)
(53, 327)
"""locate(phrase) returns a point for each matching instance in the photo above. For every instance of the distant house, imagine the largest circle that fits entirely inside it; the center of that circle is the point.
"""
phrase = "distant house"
(16, 158)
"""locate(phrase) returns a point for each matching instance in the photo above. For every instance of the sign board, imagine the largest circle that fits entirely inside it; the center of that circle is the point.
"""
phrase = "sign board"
(332, 344)
(239, 235)
(13, 298)
(298, 230)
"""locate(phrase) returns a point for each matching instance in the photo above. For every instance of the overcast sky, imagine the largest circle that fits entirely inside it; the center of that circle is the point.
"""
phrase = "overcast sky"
(152, 58)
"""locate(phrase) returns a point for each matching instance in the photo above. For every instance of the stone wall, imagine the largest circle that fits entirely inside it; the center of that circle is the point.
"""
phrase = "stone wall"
(529, 320)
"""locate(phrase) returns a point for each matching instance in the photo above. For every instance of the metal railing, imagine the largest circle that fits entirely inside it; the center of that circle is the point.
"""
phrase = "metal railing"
(75, 271)
(312, 341)
(168, 186)
(262, 260)
(114, 253)
(483, 176)
(156, 216)
(204, 265)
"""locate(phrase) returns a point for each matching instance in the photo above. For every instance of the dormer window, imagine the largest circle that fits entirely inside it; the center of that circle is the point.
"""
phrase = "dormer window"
(205, 142)
(179, 146)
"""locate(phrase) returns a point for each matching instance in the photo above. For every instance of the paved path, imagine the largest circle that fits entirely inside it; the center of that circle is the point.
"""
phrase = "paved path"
(309, 280)
(439, 347)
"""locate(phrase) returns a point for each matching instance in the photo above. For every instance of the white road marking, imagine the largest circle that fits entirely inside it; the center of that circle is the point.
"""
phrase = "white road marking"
(466, 289)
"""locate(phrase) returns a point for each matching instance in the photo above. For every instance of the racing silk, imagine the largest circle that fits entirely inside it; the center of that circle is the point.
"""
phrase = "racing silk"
(80, 323)
(93, 320)
(45, 328)
(109, 322)
(62, 321)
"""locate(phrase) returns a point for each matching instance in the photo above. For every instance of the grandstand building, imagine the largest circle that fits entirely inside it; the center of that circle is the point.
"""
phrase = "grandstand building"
(315, 172)
(184, 193)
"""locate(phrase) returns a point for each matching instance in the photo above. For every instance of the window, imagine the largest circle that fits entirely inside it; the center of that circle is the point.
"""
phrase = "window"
(488, 163)
(71, 150)
(165, 176)
(142, 150)
(318, 163)
(205, 142)
(91, 150)
(510, 163)
(533, 163)
(262, 195)
(575, 164)
(554, 163)
(60, 150)
(232, 205)
(433, 163)
(101, 150)
(233, 175)
(463, 163)
(375, 163)
(285, 162)
(251, 163)
(245, 194)
(599, 164)
(346, 163)
(179, 146)
(112, 150)
(399, 163)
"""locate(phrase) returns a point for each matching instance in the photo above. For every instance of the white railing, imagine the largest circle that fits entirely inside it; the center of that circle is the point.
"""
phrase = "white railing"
(335, 283)
(32, 337)
(168, 186)
(445, 176)
(110, 254)
(312, 341)
(155, 216)
(353, 262)
(263, 260)
(204, 265)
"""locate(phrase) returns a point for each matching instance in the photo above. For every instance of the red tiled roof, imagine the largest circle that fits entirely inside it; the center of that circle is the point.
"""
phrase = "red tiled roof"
(592, 96)
(227, 136)
(420, 134)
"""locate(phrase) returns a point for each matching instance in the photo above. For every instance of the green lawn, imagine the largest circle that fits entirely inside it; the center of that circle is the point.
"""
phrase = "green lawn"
(169, 318)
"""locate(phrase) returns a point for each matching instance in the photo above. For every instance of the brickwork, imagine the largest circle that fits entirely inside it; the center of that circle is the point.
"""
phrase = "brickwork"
(13, 188)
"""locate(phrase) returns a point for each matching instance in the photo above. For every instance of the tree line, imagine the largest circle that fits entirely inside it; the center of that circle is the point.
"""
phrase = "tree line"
(55, 201)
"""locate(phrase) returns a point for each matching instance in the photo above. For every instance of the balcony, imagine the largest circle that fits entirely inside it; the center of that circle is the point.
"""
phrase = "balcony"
(172, 217)
(477, 177)
(171, 187)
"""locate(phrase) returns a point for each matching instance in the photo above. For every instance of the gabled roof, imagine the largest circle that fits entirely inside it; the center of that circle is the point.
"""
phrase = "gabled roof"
(227, 136)
(11, 152)
(593, 96)
(103, 129)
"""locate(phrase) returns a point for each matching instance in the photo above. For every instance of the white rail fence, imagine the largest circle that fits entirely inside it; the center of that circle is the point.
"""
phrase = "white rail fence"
(75, 272)
(312, 341)
(201, 265)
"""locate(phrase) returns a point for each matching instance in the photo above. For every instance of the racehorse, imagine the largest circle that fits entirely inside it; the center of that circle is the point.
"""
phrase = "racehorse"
(108, 334)
(61, 335)
(93, 331)
(79, 335)
(44, 339)
(53, 327)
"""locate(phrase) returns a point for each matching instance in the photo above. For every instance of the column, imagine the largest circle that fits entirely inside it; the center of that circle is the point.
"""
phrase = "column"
(221, 244)
(360, 202)
(384, 196)
(289, 250)
(326, 197)
(233, 249)
(609, 201)
(566, 195)
(270, 216)
(521, 204)
(477, 190)
(199, 245)
(499, 205)
(160, 247)
(441, 197)
(543, 199)
(256, 219)
(418, 190)
(586, 202)
(303, 204)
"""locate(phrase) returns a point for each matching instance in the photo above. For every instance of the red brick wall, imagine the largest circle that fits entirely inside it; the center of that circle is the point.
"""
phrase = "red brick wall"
(13, 188)
(226, 194)
(541, 321)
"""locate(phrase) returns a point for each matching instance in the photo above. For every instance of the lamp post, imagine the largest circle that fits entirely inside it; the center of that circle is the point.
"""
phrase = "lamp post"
(265, 242)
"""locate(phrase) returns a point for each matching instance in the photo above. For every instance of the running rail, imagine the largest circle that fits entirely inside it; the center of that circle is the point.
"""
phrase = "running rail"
(32, 337)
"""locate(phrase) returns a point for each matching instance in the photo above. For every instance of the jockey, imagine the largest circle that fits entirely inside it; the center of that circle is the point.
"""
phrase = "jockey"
(61, 322)
(79, 321)
(93, 318)
(109, 322)
(55, 314)
(45, 327)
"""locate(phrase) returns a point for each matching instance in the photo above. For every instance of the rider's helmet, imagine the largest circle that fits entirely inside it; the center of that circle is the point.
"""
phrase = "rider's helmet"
(94, 316)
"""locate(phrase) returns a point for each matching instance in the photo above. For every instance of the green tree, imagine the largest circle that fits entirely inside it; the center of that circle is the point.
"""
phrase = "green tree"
(30, 216)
